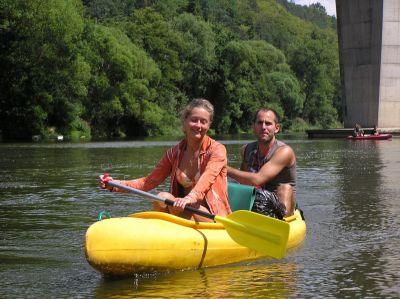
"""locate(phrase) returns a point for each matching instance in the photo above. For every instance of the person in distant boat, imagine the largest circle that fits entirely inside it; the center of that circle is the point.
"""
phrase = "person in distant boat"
(197, 167)
(358, 131)
(270, 165)
(375, 130)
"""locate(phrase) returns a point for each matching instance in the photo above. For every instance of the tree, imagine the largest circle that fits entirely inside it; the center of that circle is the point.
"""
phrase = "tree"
(103, 9)
(198, 57)
(43, 77)
(315, 13)
(149, 30)
(121, 99)
(251, 74)
(316, 63)
(130, 65)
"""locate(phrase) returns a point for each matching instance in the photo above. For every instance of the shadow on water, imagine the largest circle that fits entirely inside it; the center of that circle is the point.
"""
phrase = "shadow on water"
(244, 281)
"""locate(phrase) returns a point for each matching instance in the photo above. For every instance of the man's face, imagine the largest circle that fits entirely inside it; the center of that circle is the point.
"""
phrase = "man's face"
(265, 126)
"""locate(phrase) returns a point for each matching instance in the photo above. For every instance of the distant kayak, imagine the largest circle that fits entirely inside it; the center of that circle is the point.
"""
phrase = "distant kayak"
(371, 137)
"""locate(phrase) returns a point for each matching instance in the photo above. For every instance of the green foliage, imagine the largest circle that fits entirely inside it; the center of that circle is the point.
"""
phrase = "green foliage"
(103, 9)
(198, 54)
(285, 89)
(155, 35)
(123, 68)
(42, 75)
(255, 70)
(80, 131)
(121, 89)
(299, 125)
(314, 13)
(316, 63)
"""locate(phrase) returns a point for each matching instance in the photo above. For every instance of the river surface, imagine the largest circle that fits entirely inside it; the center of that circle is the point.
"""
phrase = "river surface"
(348, 190)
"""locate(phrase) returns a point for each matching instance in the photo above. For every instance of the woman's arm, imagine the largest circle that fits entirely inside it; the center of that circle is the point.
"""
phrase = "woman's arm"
(155, 178)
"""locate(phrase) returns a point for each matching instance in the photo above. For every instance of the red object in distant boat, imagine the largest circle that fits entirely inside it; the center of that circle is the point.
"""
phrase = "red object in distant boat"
(371, 137)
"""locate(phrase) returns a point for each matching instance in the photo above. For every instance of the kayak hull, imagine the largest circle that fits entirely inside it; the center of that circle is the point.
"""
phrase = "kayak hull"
(371, 137)
(154, 241)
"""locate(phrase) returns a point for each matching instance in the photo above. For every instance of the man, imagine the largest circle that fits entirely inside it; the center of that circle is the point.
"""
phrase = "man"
(268, 163)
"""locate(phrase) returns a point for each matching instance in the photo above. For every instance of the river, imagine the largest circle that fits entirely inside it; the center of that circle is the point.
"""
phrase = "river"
(348, 190)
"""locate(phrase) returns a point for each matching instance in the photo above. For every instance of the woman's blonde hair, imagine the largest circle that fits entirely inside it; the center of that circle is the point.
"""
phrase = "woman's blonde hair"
(198, 103)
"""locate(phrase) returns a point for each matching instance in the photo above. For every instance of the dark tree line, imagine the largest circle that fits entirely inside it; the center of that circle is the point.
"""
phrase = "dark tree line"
(124, 68)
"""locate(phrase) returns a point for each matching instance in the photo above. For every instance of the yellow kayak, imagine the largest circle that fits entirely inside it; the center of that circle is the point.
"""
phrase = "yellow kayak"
(154, 241)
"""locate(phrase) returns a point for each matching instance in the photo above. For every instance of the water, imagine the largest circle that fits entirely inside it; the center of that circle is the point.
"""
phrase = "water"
(349, 191)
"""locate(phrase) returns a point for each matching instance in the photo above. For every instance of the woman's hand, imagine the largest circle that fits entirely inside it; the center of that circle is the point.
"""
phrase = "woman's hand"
(103, 181)
(180, 203)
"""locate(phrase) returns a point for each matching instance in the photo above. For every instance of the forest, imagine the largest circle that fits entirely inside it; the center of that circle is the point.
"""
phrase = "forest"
(120, 69)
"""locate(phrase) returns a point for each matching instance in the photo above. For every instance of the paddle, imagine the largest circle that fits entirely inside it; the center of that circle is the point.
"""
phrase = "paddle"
(262, 233)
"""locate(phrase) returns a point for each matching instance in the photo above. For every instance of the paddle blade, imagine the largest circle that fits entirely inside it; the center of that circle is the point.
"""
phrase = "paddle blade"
(262, 233)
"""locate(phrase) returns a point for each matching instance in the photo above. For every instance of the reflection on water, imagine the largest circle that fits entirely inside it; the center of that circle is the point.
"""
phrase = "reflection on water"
(349, 192)
(360, 186)
(255, 281)
(364, 207)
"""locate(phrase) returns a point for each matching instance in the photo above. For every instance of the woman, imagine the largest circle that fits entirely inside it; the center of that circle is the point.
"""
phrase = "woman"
(197, 166)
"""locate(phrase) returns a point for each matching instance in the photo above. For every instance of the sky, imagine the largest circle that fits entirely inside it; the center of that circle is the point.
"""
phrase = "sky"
(330, 5)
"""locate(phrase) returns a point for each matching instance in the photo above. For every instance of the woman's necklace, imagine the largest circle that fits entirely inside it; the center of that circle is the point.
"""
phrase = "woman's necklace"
(193, 158)
(190, 162)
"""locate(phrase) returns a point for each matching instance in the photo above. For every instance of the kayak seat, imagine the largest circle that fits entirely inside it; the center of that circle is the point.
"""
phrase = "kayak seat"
(241, 197)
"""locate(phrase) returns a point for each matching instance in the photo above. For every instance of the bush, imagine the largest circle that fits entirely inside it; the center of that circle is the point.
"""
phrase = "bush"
(80, 131)
(299, 125)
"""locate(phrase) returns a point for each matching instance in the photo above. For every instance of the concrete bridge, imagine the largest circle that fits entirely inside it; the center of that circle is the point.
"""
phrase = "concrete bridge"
(369, 47)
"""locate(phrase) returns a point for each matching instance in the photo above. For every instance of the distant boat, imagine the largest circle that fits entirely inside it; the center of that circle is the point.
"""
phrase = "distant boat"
(371, 137)
(60, 138)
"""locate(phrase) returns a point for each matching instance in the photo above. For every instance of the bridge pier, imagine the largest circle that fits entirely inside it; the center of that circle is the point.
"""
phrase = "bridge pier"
(369, 47)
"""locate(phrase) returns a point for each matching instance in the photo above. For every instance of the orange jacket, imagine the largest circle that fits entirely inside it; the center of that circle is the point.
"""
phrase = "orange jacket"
(212, 184)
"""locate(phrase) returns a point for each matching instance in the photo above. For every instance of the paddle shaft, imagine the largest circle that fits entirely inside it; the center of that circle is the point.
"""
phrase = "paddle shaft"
(158, 198)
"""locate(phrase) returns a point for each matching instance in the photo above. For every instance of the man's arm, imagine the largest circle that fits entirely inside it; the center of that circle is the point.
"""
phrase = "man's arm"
(284, 157)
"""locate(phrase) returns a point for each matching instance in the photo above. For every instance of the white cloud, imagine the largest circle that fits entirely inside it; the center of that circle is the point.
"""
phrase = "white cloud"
(330, 5)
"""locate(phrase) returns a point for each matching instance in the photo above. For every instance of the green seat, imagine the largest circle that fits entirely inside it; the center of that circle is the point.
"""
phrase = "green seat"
(241, 197)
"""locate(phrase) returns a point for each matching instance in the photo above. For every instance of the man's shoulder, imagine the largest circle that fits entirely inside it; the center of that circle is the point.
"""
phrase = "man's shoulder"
(282, 144)
(248, 147)
(286, 152)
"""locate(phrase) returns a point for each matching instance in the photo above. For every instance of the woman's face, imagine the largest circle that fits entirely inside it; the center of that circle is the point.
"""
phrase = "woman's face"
(197, 123)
